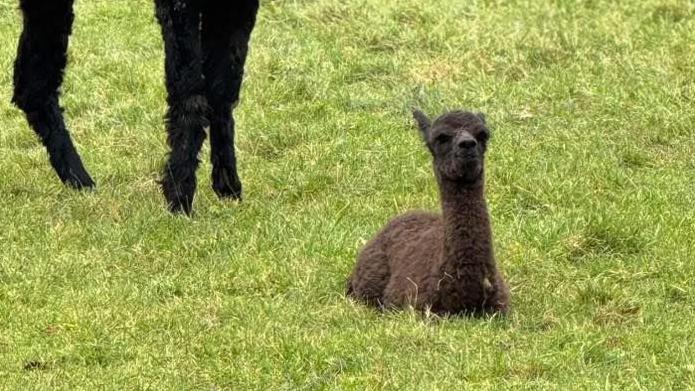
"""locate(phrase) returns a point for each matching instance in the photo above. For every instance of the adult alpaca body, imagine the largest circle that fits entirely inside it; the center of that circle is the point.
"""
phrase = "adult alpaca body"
(206, 43)
(442, 263)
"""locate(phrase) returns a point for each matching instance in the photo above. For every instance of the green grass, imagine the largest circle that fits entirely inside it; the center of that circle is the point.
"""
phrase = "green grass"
(590, 185)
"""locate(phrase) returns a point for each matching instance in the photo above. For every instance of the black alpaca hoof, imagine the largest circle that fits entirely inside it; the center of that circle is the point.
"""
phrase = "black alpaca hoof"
(71, 171)
(181, 206)
(179, 203)
(226, 186)
(80, 181)
(179, 196)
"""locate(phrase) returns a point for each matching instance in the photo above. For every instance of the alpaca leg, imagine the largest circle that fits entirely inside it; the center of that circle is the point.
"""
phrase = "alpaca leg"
(226, 30)
(186, 116)
(371, 276)
(499, 301)
(38, 75)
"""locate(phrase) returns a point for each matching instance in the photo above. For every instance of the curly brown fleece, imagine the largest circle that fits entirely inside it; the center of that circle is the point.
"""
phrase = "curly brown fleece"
(444, 263)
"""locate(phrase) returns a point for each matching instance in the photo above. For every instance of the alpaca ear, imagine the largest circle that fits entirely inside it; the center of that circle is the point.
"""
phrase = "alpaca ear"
(423, 122)
(484, 120)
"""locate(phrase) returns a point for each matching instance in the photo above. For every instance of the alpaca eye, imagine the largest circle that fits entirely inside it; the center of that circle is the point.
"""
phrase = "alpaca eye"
(443, 138)
(483, 137)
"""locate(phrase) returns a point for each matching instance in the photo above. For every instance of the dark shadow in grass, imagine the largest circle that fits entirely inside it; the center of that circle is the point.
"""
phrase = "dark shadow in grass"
(671, 13)
(621, 312)
(599, 355)
(36, 365)
(595, 294)
(677, 294)
(98, 356)
(635, 159)
(606, 240)
(168, 291)
(103, 353)
(609, 304)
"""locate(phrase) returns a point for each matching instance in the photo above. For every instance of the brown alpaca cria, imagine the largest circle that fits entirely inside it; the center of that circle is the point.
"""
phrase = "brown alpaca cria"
(442, 263)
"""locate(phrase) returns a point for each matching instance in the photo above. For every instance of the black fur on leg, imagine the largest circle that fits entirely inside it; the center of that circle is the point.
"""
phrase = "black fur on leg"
(225, 179)
(48, 123)
(185, 123)
(38, 75)
(226, 30)
(202, 39)
(188, 108)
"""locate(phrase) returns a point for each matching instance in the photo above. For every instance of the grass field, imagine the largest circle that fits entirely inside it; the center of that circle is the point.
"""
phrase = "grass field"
(590, 186)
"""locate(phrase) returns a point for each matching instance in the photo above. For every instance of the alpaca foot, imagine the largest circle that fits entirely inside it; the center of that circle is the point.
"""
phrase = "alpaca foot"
(177, 201)
(79, 181)
(179, 194)
(71, 171)
(226, 183)
(349, 290)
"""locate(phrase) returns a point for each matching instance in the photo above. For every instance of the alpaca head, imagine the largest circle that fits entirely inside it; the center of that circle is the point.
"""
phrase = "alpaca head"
(457, 141)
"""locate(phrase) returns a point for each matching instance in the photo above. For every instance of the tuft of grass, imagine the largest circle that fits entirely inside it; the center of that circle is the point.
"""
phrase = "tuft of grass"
(589, 184)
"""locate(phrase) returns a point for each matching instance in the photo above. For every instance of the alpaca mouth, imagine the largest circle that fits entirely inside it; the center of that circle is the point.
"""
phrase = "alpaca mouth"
(466, 171)
(468, 155)
(471, 169)
(470, 165)
(471, 176)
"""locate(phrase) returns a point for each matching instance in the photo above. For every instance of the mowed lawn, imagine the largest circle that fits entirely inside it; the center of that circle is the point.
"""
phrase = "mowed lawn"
(590, 186)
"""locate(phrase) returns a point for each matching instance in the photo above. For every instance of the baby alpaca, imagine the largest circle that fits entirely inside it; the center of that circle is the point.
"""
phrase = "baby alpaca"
(441, 263)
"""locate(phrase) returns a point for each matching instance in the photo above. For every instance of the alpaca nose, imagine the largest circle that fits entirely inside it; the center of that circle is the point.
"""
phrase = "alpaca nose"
(468, 143)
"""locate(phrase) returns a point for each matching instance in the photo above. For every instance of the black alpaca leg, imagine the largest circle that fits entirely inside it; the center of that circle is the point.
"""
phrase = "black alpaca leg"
(226, 30)
(186, 118)
(38, 74)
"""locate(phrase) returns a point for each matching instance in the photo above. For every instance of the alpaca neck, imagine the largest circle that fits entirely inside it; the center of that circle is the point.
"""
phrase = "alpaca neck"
(466, 276)
(467, 232)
